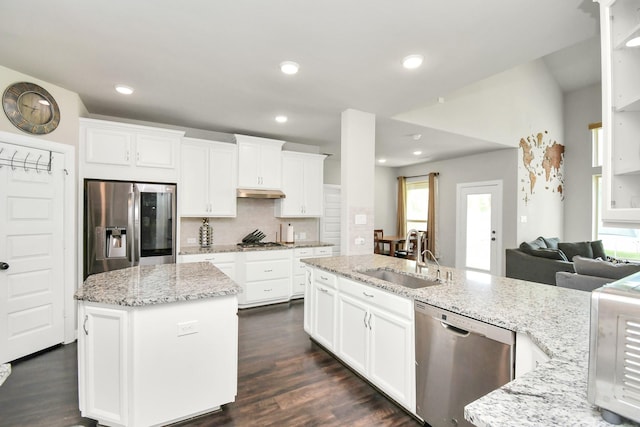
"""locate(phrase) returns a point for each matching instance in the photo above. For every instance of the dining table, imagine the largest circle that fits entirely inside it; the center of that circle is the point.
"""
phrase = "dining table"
(393, 242)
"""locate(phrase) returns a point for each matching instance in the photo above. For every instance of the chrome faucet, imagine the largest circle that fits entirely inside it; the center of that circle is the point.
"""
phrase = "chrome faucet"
(419, 264)
(427, 251)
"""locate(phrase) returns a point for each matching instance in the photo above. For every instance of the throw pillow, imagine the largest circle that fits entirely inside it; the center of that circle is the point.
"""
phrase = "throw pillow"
(598, 268)
(552, 242)
(550, 254)
(578, 248)
(529, 247)
(598, 249)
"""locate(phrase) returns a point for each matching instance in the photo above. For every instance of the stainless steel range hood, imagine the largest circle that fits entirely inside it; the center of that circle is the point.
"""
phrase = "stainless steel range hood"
(250, 193)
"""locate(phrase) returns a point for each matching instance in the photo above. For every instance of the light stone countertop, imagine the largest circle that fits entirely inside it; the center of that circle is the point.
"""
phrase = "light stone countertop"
(195, 250)
(157, 284)
(556, 319)
(5, 370)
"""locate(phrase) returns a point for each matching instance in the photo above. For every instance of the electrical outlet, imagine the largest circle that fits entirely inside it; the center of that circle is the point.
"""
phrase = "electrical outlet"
(359, 241)
(191, 240)
(188, 328)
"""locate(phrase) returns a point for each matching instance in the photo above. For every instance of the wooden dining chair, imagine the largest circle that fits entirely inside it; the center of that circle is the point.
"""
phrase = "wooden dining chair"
(378, 246)
(409, 253)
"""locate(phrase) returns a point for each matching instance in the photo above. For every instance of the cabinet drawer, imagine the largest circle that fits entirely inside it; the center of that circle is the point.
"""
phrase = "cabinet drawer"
(303, 252)
(213, 258)
(323, 251)
(267, 255)
(325, 278)
(267, 290)
(267, 270)
(298, 284)
(383, 299)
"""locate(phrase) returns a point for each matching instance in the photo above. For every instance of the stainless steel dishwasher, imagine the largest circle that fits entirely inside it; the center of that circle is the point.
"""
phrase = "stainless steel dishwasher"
(458, 360)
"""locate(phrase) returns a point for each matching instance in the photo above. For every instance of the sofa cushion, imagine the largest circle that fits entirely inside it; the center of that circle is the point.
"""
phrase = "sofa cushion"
(599, 268)
(551, 242)
(549, 253)
(577, 248)
(528, 247)
(598, 250)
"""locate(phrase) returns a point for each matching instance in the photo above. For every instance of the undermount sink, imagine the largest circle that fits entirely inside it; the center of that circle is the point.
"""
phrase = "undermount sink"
(400, 278)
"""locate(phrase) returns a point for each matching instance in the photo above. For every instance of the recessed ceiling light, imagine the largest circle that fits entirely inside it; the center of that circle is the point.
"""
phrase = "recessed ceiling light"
(417, 153)
(382, 160)
(281, 119)
(412, 61)
(634, 42)
(289, 67)
(125, 90)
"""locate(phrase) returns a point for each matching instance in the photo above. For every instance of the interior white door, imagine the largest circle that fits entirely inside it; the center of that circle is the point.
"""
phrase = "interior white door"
(330, 220)
(479, 226)
(31, 248)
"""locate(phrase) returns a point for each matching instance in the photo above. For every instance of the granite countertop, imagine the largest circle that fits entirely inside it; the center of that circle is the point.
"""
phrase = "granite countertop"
(5, 370)
(195, 250)
(157, 284)
(556, 319)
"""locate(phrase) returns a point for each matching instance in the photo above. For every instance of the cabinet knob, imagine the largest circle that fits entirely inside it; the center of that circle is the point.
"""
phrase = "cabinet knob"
(4, 266)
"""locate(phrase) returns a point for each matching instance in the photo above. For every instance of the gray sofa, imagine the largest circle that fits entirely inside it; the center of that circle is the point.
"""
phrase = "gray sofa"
(593, 273)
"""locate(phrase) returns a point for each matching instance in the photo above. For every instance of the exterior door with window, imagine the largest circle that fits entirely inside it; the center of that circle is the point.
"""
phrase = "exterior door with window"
(478, 225)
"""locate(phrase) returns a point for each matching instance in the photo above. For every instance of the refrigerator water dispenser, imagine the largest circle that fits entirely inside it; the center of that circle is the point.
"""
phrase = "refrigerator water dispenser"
(116, 242)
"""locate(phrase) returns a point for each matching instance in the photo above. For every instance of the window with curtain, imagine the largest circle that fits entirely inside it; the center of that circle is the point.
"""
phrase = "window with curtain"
(417, 205)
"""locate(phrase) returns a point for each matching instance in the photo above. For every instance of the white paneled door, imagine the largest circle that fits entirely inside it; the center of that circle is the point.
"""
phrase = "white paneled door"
(330, 221)
(31, 253)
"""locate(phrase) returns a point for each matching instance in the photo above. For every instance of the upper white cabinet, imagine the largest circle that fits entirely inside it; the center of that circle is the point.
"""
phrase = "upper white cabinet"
(302, 180)
(259, 162)
(209, 179)
(110, 150)
(620, 23)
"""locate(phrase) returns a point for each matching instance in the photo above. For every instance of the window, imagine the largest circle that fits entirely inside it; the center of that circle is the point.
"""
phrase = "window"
(417, 205)
(622, 243)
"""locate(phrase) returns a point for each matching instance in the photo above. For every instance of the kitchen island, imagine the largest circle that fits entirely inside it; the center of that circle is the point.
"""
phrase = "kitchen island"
(555, 319)
(156, 344)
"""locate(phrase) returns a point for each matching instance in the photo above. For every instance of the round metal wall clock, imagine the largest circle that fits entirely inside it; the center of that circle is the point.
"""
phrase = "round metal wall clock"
(31, 108)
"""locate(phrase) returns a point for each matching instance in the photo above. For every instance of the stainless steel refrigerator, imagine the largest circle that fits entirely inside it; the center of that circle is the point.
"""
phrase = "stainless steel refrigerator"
(128, 224)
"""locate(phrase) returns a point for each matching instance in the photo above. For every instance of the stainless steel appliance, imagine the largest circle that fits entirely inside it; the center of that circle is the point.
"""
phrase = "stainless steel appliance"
(128, 224)
(458, 360)
(614, 350)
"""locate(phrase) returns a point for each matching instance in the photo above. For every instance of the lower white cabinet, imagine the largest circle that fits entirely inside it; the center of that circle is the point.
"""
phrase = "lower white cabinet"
(298, 283)
(528, 355)
(265, 277)
(224, 261)
(369, 329)
(156, 364)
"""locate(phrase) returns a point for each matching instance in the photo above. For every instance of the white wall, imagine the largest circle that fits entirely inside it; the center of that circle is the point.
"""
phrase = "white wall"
(385, 199)
(332, 171)
(581, 107)
(496, 165)
(71, 108)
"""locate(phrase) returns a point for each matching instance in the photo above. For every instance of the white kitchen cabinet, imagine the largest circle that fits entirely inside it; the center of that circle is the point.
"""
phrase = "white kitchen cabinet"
(528, 355)
(223, 261)
(324, 309)
(208, 178)
(103, 371)
(265, 277)
(298, 284)
(302, 183)
(111, 150)
(156, 364)
(308, 300)
(259, 163)
(375, 337)
(620, 22)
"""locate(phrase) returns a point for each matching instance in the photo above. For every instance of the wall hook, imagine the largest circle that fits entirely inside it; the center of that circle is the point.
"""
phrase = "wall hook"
(12, 157)
(24, 164)
(38, 163)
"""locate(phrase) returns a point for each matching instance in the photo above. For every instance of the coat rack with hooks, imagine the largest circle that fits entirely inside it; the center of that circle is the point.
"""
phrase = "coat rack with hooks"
(38, 162)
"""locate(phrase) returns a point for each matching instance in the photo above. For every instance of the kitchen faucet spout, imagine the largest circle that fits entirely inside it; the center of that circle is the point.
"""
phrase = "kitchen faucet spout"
(419, 264)
(428, 252)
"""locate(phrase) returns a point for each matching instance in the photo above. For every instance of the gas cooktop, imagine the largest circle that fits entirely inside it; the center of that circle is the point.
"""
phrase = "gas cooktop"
(259, 244)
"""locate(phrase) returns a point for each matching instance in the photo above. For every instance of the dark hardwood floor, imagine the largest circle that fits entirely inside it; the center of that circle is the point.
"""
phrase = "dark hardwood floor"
(284, 379)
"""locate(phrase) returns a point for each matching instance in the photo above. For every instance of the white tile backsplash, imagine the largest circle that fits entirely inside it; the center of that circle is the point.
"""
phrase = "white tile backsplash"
(251, 214)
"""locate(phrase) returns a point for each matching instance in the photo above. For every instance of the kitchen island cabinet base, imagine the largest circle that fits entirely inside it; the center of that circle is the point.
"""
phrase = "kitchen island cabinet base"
(157, 364)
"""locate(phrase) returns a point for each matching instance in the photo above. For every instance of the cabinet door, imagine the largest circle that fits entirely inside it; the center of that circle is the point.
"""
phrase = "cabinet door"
(313, 186)
(222, 180)
(353, 332)
(156, 151)
(108, 146)
(391, 364)
(249, 163)
(271, 167)
(292, 186)
(102, 363)
(308, 300)
(324, 312)
(194, 191)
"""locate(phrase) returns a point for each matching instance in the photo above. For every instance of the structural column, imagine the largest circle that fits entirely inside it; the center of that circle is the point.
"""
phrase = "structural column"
(357, 180)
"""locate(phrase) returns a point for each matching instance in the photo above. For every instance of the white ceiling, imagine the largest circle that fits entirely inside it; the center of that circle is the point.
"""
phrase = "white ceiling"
(214, 65)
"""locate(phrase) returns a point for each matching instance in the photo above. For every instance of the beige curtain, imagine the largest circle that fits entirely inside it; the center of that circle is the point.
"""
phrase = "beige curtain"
(432, 228)
(402, 203)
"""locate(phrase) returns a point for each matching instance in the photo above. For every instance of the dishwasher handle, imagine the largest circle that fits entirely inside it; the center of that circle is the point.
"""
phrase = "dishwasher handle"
(454, 329)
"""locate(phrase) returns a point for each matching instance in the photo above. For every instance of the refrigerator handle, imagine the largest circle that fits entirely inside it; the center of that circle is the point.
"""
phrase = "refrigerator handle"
(136, 225)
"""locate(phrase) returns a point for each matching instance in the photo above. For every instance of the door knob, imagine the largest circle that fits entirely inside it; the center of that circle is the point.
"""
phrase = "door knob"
(4, 266)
